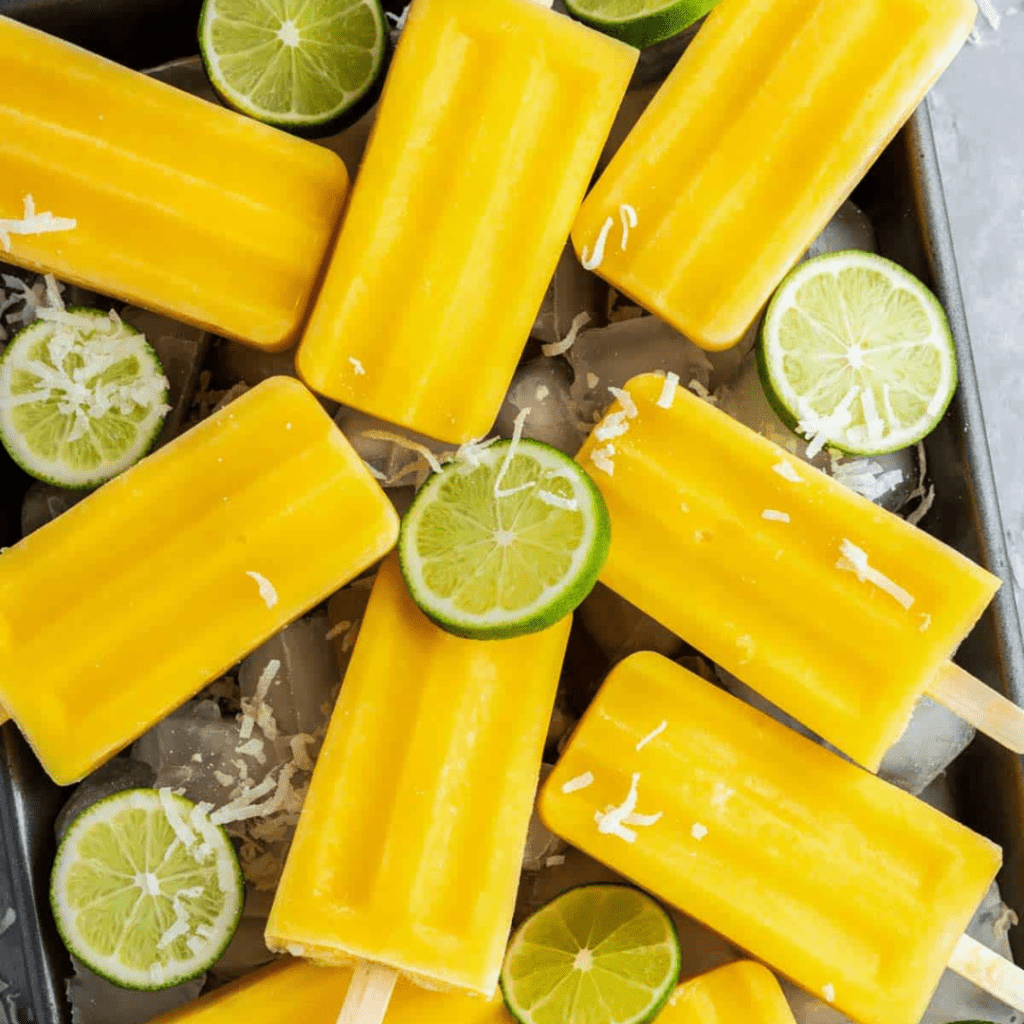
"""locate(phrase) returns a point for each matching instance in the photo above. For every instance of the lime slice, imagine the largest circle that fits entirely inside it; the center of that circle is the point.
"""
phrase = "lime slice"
(639, 22)
(82, 397)
(308, 66)
(145, 890)
(596, 953)
(856, 353)
(505, 542)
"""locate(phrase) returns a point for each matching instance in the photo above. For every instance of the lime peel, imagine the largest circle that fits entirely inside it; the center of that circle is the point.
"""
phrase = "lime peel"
(639, 22)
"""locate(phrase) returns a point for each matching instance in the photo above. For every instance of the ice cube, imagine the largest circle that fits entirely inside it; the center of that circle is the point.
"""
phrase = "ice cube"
(701, 950)
(620, 628)
(540, 842)
(94, 1000)
(345, 612)
(934, 738)
(44, 502)
(247, 949)
(394, 463)
(115, 776)
(744, 399)
(181, 350)
(848, 229)
(543, 386)
(572, 291)
(306, 680)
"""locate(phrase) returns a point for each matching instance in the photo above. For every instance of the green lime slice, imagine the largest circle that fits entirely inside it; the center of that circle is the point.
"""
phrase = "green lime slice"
(596, 953)
(639, 22)
(856, 353)
(82, 398)
(146, 892)
(506, 542)
(301, 65)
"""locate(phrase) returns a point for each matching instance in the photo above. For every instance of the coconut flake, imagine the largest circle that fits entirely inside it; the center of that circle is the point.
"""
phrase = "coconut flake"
(855, 560)
(922, 510)
(613, 425)
(829, 992)
(517, 433)
(7, 921)
(654, 734)
(33, 223)
(300, 754)
(556, 348)
(721, 794)
(357, 365)
(991, 15)
(179, 826)
(614, 819)
(555, 860)
(627, 214)
(698, 831)
(668, 391)
(266, 588)
(602, 459)
(774, 515)
(402, 442)
(625, 400)
(594, 260)
(579, 782)
(702, 392)
(926, 621)
(558, 501)
(787, 472)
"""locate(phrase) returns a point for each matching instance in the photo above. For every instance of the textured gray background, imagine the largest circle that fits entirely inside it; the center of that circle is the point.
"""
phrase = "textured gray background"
(977, 111)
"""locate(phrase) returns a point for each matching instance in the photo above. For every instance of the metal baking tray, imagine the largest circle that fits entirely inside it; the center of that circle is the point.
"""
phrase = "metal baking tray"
(902, 195)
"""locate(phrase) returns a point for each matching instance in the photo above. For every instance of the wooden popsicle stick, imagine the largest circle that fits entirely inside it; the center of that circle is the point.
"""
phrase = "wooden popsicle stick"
(989, 971)
(369, 994)
(984, 708)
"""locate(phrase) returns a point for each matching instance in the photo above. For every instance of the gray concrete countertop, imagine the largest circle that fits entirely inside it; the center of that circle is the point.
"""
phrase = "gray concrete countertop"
(977, 111)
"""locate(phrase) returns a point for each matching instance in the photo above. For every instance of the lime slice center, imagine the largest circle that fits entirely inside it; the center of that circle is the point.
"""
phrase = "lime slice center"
(603, 952)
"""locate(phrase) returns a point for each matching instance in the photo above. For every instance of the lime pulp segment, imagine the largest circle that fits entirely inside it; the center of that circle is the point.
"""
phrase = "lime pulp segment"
(293, 63)
(146, 892)
(596, 953)
(856, 353)
(506, 542)
(640, 22)
(82, 397)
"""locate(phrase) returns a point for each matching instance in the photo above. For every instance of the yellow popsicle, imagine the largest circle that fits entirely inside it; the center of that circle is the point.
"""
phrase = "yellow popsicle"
(409, 847)
(299, 990)
(852, 888)
(118, 611)
(835, 610)
(771, 117)
(182, 207)
(739, 993)
(490, 126)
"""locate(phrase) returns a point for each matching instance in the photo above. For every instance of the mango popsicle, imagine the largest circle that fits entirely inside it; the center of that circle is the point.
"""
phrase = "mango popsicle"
(409, 847)
(180, 206)
(771, 117)
(855, 890)
(300, 990)
(837, 611)
(740, 993)
(125, 606)
(479, 160)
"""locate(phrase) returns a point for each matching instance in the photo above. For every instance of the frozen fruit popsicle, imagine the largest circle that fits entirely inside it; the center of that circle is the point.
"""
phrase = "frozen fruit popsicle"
(490, 126)
(178, 205)
(740, 993)
(852, 888)
(768, 121)
(408, 851)
(299, 990)
(837, 611)
(125, 606)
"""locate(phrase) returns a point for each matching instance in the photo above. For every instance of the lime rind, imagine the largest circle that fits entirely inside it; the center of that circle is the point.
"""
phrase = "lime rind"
(95, 889)
(553, 963)
(489, 567)
(880, 332)
(640, 23)
(322, 72)
(125, 388)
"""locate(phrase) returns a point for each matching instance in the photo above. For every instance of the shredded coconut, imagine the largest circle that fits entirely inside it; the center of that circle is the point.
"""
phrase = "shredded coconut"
(923, 509)
(787, 472)
(866, 478)
(593, 380)
(555, 860)
(517, 434)
(558, 501)
(702, 392)
(654, 734)
(926, 621)
(627, 214)
(542, 391)
(613, 425)
(556, 348)
(7, 921)
(698, 831)
(822, 429)
(602, 459)
(266, 588)
(668, 391)
(829, 992)
(992, 16)
(854, 559)
(179, 826)
(357, 365)
(775, 515)
(625, 400)
(721, 794)
(300, 754)
(402, 442)
(580, 782)
(747, 647)
(613, 820)
(33, 223)
(591, 261)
